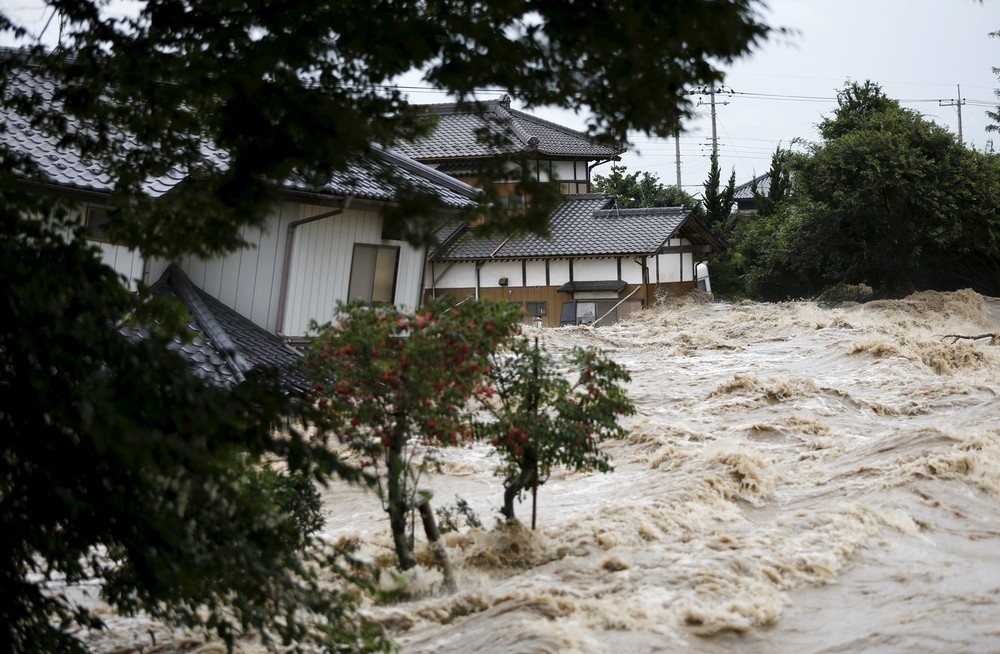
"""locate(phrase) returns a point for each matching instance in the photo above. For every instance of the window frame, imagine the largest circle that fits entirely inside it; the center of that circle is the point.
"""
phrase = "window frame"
(353, 278)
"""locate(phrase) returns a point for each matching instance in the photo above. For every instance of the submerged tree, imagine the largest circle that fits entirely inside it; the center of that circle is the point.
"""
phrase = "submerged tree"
(394, 387)
(541, 419)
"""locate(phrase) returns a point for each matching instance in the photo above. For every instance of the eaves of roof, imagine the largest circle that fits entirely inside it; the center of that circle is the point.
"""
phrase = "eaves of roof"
(66, 169)
(226, 346)
(455, 136)
(585, 225)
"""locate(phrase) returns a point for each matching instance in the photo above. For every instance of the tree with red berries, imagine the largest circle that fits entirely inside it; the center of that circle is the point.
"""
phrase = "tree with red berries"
(394, 386)
(548, 413)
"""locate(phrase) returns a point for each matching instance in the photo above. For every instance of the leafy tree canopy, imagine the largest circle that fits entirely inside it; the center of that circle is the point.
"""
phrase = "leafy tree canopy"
(887, 199)
(718, 201)
(283, 96)
(644, 189)
(112, 445)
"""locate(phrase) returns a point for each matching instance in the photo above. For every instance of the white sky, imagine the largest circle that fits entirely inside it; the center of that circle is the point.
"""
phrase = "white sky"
(918, 50)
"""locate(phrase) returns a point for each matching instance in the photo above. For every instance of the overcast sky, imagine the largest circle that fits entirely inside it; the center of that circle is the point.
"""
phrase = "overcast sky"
(918, 50)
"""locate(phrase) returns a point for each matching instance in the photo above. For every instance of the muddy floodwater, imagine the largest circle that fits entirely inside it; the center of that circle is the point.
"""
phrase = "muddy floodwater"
(797, 478)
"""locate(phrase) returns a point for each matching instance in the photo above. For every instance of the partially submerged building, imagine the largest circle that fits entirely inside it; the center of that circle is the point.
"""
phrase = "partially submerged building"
(600, 262)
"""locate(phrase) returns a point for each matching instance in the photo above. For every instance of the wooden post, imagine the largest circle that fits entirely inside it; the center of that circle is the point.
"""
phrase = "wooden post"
(534, 498)
(434, 537)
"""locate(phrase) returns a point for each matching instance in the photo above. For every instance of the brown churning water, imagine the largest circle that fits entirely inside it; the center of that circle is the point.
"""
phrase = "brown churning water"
(798, 478)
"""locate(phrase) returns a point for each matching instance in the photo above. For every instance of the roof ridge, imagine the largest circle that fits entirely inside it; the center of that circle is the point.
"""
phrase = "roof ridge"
(503, 112)
(561, 128)
(204, 316)
(429, 173)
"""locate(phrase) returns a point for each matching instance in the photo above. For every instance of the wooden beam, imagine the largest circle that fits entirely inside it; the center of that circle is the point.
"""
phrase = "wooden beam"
(685, 249)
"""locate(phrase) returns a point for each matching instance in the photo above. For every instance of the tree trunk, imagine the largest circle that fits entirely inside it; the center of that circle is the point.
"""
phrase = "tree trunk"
(396, 503)
(434, 537)
(522, 481)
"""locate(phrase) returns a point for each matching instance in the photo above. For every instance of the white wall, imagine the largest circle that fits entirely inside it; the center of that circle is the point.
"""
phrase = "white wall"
(124, 262)
(250, 280)
(535, 273)
(564, 170)
(632, 270)
(595, 270)
(492, 271)
(558, 272)
(458, 275)
(675, 267)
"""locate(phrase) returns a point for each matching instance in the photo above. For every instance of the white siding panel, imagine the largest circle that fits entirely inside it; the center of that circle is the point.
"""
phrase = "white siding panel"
(535, 273)
(408, 277)
(632, 271)
(263, 307)
(123, 261)
(594, 270)
(558, 272)
(321, 264)
(156, 269)
(491, 273)
(458, 275)
(229, 273)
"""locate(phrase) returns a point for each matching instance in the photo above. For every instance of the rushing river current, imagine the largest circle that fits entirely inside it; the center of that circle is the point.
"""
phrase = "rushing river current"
(797, 478)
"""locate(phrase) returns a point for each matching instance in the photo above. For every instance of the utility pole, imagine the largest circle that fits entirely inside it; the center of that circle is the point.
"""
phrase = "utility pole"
(677, 145)
(711, 91)
(957, 104)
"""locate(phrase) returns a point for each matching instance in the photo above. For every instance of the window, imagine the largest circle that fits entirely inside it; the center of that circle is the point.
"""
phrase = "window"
(586, 312)
(96, 222)
(535, 309)
(373, 274)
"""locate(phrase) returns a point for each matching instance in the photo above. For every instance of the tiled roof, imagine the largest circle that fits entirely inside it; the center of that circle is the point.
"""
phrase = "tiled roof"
(455, 136)
(745, 191)
(226, 346)
(66, 168)
(588, 224)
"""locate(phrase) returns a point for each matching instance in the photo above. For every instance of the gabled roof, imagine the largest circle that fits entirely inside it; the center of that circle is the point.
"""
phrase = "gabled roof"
(455, 136)
(67, 169)
(745, 191)
(588, 224)
(225, 345)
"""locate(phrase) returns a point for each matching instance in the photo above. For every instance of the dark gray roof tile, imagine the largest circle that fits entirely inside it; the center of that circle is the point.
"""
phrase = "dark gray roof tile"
(455, 136)
(368, 179)
(226, 346)
(583, 225)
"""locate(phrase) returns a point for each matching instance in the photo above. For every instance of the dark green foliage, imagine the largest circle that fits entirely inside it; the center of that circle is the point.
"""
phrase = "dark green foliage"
(718, 202)
(303, 98)
(294, 496)
(394, 386)
(541, 419)
(117, 462)
(888, 199)
(645, 190)
(450, 519)
(779, 182)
